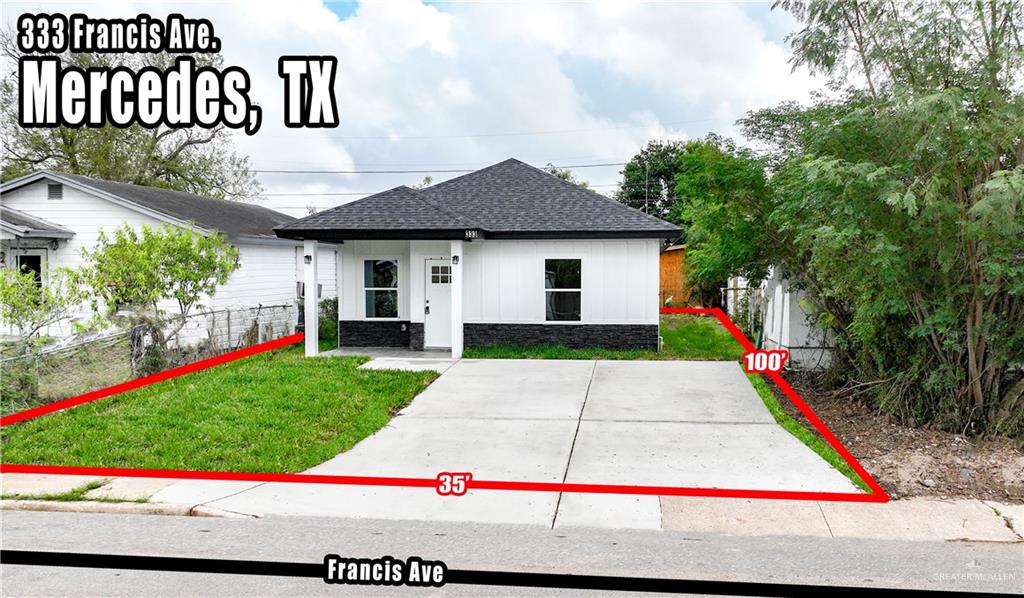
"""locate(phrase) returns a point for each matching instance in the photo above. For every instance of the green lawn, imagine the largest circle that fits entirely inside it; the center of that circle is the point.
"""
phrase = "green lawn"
(277, 412)
(684, 337)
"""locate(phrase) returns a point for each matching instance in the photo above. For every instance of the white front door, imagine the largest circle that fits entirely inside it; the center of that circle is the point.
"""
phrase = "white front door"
(437, 311)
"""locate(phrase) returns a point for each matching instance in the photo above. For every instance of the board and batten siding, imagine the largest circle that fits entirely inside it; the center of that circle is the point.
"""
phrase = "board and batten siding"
(266, 276)
(504, 280)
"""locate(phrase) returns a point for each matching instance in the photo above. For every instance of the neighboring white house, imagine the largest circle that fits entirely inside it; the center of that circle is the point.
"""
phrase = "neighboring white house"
(786, 323)
(48, 218)
(508, 254)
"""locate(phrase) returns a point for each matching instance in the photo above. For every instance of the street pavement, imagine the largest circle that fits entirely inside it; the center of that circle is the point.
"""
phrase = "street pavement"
(875, 563)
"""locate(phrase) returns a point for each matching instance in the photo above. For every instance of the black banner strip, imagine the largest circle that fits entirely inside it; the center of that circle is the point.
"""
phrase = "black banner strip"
(454, 576)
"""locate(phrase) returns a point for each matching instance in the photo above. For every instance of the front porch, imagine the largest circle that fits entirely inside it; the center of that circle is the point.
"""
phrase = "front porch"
(395, 296)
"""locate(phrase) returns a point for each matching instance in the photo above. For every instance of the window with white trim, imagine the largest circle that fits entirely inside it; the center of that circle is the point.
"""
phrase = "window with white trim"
(563, 289)
(380, 284)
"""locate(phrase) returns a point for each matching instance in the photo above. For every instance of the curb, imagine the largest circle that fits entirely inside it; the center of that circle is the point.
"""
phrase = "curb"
(205, 511)
(120, 508)
(88, 506)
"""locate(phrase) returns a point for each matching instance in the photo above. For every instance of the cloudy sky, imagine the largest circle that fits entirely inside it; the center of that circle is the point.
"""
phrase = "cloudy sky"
(449, 86)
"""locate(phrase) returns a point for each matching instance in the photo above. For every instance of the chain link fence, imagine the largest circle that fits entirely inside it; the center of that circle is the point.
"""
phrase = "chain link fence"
(76, 366)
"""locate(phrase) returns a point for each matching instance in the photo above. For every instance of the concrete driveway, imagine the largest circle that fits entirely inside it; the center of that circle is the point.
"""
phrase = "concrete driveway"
(661, 423)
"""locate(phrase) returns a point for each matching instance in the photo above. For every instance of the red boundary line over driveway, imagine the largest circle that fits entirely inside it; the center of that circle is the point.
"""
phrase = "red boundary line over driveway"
(876, 495)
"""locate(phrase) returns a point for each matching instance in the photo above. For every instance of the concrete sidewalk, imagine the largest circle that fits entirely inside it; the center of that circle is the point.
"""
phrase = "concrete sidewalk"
(923, 520)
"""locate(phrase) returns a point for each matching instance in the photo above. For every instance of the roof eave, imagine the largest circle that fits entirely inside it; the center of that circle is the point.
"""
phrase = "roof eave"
(339, 235)
(581, 234)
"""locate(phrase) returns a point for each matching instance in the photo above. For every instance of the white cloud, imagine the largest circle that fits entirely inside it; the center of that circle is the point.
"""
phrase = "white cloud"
(421, 87)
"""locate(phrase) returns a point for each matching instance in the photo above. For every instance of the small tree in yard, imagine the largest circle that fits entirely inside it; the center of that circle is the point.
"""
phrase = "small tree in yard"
(32, 308)
(131, 271)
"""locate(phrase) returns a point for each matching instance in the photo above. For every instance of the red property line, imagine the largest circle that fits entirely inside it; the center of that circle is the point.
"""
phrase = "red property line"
(300, 478)
(188, 368)
(790, 393)
(877, 495)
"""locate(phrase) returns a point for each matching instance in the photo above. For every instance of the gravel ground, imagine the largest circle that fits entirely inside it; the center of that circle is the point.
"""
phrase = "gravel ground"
(924, 462)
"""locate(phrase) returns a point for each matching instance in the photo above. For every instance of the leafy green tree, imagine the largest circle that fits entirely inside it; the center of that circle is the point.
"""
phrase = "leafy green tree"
(426, 182)
(563, 173)
(649, 179)
(898, 204)
(32, 307)
(134, 270)
(723, 193)
(191, 159)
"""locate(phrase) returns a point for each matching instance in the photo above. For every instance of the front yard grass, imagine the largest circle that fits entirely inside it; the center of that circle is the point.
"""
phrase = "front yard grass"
(684, 337)
(273, 412)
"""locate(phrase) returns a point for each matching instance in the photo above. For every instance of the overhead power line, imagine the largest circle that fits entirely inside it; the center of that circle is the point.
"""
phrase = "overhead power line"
(328, 193)
(398, 137)
(436, 171)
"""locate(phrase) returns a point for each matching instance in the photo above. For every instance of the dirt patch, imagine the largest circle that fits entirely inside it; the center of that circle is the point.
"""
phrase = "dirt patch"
(910, 461)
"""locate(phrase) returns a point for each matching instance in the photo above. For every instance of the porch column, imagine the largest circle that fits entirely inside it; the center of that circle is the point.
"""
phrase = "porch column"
(456, 283)
(310, 302)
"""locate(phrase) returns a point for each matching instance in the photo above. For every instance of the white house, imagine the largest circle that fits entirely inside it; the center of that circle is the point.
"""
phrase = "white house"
(48, 218)
(508, 254)
(785, 320)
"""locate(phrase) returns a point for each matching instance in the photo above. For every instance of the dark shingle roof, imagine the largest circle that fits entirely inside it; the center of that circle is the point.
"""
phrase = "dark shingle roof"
(512, 196)
(508, 199)
(400, 208)
(29, 225)
(232, 218)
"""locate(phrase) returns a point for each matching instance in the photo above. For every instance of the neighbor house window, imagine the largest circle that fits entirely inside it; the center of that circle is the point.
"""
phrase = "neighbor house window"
(562, 284)
(32, 264)
(380, 281)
